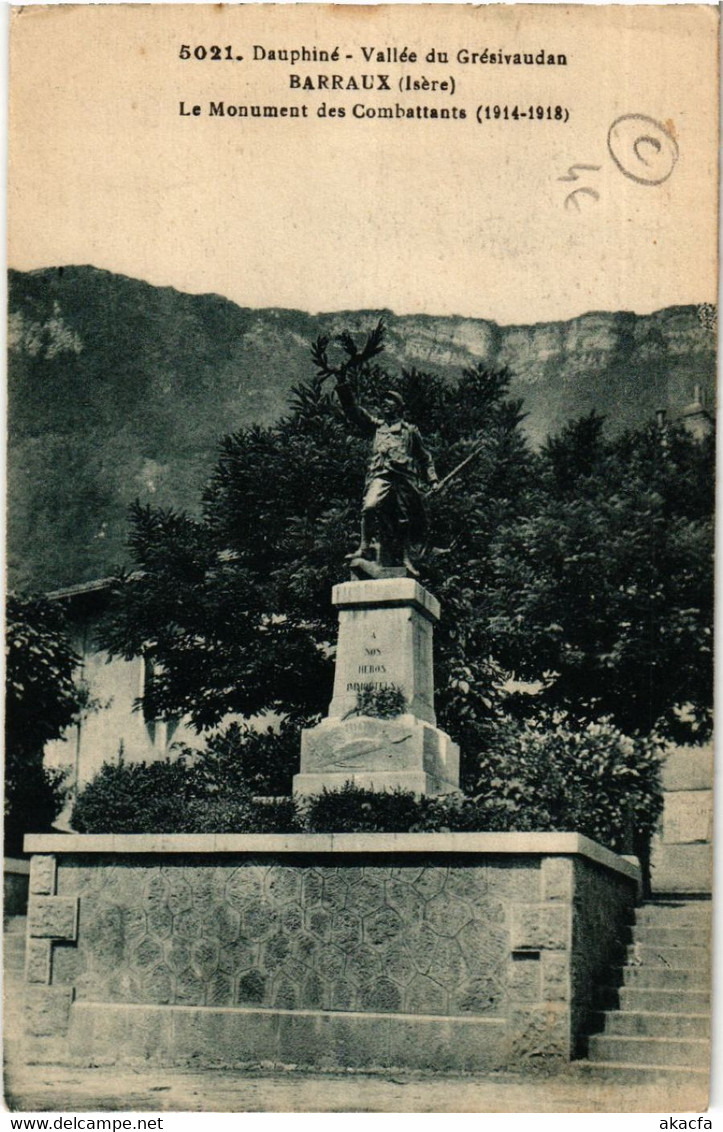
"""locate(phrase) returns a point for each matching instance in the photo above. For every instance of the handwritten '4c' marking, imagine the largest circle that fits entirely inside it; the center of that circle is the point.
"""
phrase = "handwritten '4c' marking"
(571, 175)
(643, 149)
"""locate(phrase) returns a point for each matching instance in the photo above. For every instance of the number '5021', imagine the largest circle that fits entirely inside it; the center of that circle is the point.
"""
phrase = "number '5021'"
(202, 52)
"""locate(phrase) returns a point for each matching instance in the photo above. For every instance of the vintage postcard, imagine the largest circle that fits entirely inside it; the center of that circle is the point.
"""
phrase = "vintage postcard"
(361, 415)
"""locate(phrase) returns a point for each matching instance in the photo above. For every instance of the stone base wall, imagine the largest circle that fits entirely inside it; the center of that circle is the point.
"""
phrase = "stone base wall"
(466, 951)
(310, 1038)
(602, 918)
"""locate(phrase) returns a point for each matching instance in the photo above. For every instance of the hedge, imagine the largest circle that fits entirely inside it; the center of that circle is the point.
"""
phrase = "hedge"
(595, 781)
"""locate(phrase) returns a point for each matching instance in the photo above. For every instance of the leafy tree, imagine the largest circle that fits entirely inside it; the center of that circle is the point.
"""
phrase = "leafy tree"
(604, 591)
(582, 571)
(42, 700)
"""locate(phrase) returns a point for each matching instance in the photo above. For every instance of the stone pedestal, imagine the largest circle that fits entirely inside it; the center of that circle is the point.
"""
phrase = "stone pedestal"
(385, 638)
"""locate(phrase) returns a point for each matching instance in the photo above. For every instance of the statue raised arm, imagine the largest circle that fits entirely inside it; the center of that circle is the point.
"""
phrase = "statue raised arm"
(394, 516)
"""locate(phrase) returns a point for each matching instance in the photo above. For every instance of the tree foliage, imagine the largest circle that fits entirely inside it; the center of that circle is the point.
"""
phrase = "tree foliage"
(576, 579)
(42, 699)
(559, 775)
(248, 760)
(604, 590)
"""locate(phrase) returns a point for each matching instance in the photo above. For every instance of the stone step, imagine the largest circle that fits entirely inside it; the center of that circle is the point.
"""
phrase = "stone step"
(674, 914)
(656, 999)
(649, 1051)
(625, 1073)
(658, 1022)
(646, 1024)
(672, 937)
(665, 978)
(689, 958)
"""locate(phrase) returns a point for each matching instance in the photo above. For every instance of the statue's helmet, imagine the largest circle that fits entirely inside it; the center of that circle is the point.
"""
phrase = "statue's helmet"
(396, 398)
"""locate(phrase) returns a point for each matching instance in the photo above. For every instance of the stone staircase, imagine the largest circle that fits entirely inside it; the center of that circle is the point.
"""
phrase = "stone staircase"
(658, 1020)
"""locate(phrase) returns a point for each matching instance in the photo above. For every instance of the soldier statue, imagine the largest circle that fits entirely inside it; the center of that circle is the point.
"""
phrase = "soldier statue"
(394, 516)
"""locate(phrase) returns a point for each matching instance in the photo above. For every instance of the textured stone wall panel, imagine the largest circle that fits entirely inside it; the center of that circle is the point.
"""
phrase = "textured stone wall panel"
(37, 961)
(558, 878)
(538, 926)
(53, 917)
(523, 979)
(42, 876)
(555, 972)
(418, 938)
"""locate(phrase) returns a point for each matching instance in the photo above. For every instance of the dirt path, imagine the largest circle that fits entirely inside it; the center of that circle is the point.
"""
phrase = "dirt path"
(67, 1089)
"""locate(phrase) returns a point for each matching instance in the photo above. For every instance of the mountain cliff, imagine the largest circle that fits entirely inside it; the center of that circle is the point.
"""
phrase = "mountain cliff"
(120, 390)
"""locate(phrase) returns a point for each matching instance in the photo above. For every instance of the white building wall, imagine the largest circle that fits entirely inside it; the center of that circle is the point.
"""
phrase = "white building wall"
(115, 730)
